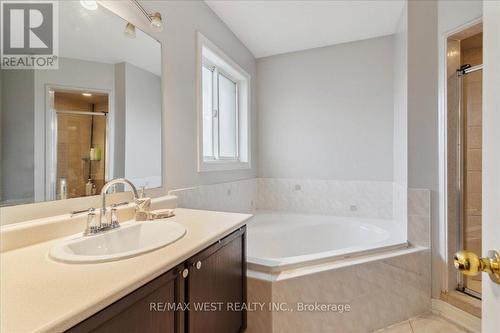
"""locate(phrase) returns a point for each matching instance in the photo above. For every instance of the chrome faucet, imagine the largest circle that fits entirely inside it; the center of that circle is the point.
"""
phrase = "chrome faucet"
(142, 210)
(103, 223)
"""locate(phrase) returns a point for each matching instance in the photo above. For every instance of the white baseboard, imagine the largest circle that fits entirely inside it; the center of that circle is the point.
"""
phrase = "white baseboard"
(462, 318)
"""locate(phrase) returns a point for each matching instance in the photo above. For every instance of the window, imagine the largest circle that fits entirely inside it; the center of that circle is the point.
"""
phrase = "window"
(220, 114)
(223, 103)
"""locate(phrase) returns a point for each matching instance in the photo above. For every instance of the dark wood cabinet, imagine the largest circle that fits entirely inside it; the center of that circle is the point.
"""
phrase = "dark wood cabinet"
(212, 283)
(216, 287)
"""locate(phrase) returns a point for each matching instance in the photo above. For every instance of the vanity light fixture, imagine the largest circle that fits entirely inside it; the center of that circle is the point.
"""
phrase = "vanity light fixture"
(89, 4)
(87, 94)
(153, 18)
(130, 30)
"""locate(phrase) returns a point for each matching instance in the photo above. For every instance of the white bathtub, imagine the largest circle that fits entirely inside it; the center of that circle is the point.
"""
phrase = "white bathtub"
(279, 240)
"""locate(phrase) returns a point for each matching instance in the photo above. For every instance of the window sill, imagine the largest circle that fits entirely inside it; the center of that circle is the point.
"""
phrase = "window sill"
(207, 166)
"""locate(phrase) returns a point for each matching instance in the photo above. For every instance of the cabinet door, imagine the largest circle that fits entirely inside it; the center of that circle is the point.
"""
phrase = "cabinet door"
(217, 279)
(144, 310)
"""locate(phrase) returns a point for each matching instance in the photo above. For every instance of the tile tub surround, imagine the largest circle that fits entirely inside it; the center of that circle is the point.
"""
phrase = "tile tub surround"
(380, 292)
(329, 197)
(239, 196)
(419, 217)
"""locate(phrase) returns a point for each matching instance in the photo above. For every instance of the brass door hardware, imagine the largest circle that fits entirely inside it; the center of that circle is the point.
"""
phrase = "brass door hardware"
(470, 264)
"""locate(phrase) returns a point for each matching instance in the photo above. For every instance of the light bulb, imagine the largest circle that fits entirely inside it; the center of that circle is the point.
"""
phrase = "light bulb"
(89, 4)
(130, 30)
(156, 22)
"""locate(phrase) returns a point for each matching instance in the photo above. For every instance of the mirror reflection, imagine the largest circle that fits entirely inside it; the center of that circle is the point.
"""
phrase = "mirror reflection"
(80, 135)
(66, 131)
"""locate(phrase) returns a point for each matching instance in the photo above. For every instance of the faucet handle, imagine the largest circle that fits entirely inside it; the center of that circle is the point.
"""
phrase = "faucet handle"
(114, 218)
(114, 223)
(92, 227)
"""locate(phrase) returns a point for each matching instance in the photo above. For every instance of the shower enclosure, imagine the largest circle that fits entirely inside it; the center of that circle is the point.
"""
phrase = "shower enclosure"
(464, 151)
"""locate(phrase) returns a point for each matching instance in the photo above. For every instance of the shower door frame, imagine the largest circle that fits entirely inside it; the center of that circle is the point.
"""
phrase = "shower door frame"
(51, 136)
(461, 149)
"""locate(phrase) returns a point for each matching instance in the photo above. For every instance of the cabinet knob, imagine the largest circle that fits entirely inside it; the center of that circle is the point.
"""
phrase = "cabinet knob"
(198, 264)
(185, 273)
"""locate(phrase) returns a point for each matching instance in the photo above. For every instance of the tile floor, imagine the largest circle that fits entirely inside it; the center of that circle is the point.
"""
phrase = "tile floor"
(424, 324)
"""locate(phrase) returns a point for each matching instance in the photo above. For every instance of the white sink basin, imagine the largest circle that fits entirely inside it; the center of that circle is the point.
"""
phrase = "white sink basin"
(131, 239)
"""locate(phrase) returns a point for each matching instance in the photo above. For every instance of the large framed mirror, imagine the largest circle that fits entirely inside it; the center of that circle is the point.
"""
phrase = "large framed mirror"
(66, 131)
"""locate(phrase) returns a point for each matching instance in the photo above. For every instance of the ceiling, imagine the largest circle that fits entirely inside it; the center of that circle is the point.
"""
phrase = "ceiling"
(98, 35)
(273, 27)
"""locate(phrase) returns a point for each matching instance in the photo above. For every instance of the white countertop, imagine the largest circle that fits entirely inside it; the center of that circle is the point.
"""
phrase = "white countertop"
(39, 294)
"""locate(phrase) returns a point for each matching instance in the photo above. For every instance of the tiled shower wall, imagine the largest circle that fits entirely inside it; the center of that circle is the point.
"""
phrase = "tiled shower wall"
(330, 197)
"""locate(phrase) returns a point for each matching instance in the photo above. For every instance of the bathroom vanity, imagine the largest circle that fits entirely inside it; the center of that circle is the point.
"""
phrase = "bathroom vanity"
(128, 295)
(172, 302)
